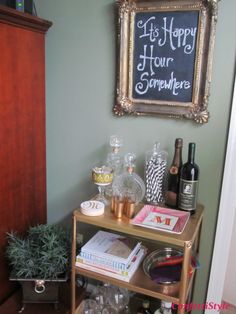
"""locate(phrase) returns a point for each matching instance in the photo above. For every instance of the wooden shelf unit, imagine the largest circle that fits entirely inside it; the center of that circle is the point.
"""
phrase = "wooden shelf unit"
(187, 241)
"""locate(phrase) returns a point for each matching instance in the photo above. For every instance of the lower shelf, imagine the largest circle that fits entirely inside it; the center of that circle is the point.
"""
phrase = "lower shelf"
(135, 302)
(139, 283)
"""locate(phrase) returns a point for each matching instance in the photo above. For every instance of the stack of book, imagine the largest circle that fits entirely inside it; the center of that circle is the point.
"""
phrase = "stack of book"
(111, 255)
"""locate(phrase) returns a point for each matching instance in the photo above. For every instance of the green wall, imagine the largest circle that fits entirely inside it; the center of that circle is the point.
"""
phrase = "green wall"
(80, 61)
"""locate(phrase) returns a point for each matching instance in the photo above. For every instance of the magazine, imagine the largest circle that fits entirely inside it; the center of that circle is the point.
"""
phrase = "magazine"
(113, 249)
(161, 218)
(126, 276)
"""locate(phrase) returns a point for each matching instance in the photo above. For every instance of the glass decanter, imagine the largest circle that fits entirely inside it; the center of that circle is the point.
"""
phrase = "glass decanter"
(114, 159)
(155, 174)
(129, 185)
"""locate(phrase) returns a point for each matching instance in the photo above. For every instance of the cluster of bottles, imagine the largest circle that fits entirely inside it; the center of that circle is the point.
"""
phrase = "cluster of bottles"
(166, 308)
(182, 185)
(128, 187)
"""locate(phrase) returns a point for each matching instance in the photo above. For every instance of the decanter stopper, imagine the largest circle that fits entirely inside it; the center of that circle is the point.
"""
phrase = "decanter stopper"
(116, 142)
(129, 162)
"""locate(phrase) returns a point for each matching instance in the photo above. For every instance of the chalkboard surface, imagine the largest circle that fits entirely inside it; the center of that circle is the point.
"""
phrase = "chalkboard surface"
(164, 55)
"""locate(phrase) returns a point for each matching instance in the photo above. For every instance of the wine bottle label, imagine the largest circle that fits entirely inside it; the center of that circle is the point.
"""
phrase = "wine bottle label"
(188, 194)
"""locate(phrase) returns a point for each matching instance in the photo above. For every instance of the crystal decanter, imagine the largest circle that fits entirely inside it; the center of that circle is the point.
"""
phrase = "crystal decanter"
(129, 185)
(114, 159)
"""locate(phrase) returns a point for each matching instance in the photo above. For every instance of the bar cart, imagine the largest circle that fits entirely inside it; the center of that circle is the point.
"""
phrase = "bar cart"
(188, 241)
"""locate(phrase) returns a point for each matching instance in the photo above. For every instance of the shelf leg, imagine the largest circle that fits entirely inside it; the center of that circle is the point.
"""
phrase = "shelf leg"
(73, 256)
(184, 277)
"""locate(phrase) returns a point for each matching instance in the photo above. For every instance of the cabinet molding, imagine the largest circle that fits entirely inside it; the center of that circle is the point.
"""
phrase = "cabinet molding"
(24, 20)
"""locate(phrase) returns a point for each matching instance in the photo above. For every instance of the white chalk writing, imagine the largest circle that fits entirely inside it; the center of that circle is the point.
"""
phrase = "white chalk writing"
(146, 83)
(176, 37)
(154, 34)
(151, 62)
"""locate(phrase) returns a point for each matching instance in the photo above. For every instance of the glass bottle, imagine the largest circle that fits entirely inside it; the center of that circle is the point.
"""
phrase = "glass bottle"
(145, 308)
(118, 298)
(129, 185)
(155, 174)
(171, 196)
(189, 182)
(166, 308)
(114, 159)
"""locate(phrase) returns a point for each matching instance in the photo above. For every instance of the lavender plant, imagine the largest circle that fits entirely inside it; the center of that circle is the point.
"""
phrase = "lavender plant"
(44, 253)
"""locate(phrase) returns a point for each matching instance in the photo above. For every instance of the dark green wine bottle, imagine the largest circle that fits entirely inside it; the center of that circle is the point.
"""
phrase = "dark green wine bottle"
(188, 187)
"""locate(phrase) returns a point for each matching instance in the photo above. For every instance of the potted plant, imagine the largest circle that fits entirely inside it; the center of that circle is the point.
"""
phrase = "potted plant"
(39, 262)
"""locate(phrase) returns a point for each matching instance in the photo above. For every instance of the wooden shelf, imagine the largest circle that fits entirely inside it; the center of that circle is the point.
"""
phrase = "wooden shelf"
(139, 283)
(108, 221)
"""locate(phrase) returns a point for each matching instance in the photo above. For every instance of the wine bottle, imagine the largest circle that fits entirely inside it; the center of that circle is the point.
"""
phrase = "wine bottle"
(189, 182)
(145, 308)
(171, 197)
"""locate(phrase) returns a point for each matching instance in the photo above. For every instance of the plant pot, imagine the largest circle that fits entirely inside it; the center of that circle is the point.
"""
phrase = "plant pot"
(40, 290)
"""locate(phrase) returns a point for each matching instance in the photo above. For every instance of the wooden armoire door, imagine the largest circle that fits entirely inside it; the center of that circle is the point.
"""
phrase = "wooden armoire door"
(22, 128)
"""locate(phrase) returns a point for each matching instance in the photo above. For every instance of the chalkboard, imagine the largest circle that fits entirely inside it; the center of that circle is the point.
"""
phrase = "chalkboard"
(164, 55)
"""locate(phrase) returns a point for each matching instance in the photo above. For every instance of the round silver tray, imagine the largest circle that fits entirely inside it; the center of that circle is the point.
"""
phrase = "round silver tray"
(160, 255)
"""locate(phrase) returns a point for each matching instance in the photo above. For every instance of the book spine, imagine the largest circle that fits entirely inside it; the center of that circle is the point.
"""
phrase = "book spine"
(102, 271)
(134, 266)
(106, 262)
(138, 259)
(121, 263)
(99, 263)
(101, 266)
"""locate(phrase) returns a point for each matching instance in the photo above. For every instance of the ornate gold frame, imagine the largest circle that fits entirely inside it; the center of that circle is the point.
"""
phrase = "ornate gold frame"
(196, 109)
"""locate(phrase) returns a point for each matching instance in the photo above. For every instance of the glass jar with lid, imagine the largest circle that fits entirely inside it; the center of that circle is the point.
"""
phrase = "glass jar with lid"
(155, 174)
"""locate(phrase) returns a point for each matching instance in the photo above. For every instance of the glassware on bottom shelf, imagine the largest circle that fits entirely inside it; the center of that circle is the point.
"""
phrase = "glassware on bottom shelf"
(100, 295)
(90, 307)
(166, 308)
(118, 298)
(145, 308)
(110, 299)
(109, 310)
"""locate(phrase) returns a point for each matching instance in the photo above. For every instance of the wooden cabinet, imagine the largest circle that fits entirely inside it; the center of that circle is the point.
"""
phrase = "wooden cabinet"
(22, 128)
(187, 241)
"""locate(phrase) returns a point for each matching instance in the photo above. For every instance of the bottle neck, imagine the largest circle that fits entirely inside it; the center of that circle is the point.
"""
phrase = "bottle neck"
(191, 153)
(177, 160)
